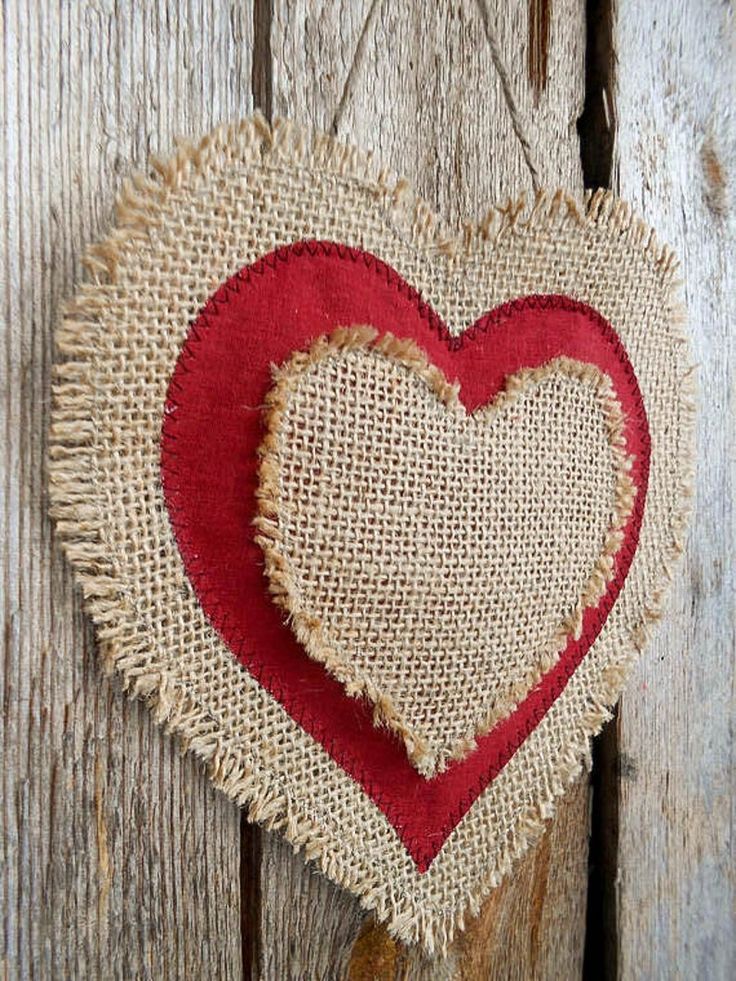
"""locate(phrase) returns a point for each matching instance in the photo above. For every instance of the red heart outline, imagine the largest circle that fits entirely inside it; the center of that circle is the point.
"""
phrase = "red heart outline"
(213, 425)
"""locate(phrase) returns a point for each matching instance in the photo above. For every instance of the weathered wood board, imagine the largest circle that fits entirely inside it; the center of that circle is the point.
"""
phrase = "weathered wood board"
(118, 860)
(676, 161)
(451, 133)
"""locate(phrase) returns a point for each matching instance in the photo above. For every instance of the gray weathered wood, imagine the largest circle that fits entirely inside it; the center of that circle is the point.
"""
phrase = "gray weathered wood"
(676, 158)
(118, 858)
(426, 97)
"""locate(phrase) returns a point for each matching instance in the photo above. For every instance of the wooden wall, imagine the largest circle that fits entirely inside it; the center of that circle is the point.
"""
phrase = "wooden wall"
(118, 860)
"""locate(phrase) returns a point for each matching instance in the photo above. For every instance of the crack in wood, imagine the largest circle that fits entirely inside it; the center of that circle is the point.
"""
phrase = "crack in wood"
(250, 836)
(597, 124)
(597, 133)
(262, 69)
(540, 16)
(250, 897)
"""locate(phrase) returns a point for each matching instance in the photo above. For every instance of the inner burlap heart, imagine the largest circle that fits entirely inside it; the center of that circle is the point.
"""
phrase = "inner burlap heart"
(230, 256)
(436, 561)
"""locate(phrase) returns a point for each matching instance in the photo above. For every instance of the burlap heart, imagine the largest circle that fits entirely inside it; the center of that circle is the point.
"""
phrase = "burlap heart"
(438, 561)
(155, 471)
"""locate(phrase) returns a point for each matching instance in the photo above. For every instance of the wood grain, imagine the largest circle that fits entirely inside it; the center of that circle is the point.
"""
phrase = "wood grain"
(676, 158)
(532, 926)
(426, 97)
(118, 859)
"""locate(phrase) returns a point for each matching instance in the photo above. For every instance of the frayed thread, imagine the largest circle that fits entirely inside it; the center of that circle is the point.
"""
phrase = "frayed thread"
(254, 143)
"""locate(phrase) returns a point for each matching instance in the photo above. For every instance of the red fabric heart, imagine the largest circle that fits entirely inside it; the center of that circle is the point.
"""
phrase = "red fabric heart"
(211, 430)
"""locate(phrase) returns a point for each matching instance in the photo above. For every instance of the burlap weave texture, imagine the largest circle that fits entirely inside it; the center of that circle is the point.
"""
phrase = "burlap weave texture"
(437, 562)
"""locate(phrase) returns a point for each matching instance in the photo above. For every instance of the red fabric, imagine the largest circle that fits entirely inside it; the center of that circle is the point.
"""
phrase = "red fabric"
(213, 425)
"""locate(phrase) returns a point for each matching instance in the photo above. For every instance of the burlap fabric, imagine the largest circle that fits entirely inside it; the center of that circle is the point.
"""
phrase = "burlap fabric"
(203, 215)
(440, 564)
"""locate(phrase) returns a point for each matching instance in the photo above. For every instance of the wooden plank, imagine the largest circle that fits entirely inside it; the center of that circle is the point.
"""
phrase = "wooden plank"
(676, 158)
(119, 860)
(532, 926)
(425, 95)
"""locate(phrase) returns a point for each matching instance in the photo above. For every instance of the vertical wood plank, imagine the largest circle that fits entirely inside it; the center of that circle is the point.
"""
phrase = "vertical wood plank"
(532, 926)
(676, 157)
(118, 859)
(425, 95)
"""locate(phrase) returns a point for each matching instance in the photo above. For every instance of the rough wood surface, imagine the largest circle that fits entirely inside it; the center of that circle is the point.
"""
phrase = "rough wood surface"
(676, 158)
(118, 859)
(532, 926)
(418, 85)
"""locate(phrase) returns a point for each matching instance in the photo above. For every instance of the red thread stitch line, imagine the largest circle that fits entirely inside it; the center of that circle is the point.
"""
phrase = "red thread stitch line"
(422, 818)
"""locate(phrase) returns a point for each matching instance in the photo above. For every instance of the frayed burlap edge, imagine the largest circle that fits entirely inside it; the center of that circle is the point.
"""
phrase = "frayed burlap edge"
(254, 142)
(310, 631)
(80, 524)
